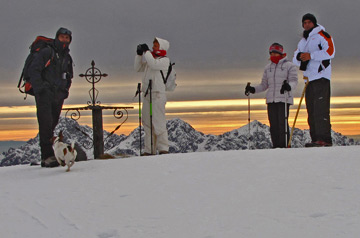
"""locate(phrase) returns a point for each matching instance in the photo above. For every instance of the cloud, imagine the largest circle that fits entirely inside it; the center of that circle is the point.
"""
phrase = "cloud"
(218, 45)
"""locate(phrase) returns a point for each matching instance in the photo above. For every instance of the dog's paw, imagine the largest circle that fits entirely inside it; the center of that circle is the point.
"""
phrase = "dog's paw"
(62, 163)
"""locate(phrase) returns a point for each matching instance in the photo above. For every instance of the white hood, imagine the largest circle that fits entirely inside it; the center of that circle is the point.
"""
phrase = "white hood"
(164, 44)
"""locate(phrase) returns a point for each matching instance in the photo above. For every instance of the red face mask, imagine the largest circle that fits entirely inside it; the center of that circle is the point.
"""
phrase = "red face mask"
(159, 53)
(276, 58)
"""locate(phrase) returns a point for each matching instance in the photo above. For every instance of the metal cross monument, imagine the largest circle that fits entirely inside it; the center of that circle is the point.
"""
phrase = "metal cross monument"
(93, 75)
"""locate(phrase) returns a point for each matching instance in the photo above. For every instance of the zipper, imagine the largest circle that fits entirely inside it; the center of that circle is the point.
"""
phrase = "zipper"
(274, 82)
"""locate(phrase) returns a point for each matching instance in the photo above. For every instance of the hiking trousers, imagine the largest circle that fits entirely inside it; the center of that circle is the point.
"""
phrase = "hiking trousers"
(48, 109)
(276, 115)
(159, 130)
(317, 98)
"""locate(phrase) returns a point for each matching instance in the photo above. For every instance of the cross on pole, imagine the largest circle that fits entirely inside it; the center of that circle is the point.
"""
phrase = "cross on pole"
(93, 75)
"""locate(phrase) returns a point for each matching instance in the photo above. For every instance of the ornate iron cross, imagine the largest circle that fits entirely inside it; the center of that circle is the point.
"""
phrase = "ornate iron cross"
(93, 75)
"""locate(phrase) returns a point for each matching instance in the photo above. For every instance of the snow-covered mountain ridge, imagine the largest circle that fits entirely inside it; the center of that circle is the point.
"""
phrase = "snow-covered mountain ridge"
(183, 138)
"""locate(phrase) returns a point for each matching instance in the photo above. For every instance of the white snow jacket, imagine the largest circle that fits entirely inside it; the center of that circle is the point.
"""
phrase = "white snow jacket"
(151, 66)
(273, 78)
(321, 47)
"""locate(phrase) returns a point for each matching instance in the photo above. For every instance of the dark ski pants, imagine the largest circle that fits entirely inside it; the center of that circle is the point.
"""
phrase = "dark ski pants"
(317, 99)
(276, 115)
(48, 109)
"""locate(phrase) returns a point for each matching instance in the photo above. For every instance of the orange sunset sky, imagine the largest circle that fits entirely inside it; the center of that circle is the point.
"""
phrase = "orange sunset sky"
(210, 117)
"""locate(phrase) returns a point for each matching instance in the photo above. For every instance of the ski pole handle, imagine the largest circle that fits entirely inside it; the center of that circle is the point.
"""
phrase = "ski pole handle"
(138, 90)
(247, 85)
(138, 87)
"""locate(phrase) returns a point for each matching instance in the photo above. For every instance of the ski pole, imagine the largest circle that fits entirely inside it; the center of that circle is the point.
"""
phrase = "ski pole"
(151, 123)
(297, 112)
(139, 92)
(286, 119)
(248, 95)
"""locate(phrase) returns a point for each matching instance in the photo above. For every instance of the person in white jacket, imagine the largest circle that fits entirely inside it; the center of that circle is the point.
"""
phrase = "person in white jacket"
(280, 80)
(313, 55)
(151, 63)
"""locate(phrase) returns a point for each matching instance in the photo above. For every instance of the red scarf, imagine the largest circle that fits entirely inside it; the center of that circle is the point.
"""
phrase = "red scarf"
(276, 59)
(158, 53)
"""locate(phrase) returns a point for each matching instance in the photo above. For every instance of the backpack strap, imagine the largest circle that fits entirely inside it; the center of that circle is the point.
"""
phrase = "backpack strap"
(168, 72)
(52, 54)
(162, 75)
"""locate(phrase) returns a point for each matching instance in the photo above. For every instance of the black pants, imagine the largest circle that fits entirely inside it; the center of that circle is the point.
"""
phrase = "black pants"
(276, 115)
(317, 99)
(48, 109)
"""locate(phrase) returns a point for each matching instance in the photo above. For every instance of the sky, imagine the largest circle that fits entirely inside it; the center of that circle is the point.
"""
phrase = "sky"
(304, 192)
(218, 46)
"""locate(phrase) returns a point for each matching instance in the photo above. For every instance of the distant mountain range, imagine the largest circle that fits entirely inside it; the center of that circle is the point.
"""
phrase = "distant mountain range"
(5, 145)
(183, 138)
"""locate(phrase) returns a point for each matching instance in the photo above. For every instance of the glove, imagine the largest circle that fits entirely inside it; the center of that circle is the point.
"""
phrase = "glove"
(285, 87)
(298, 56)
(144, 47)
(303, 64)
(139, 50)
(249, 89)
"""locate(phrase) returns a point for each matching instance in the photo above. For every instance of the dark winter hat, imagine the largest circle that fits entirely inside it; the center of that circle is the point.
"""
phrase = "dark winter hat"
(309, 16)
(64, 31)
(276, 48)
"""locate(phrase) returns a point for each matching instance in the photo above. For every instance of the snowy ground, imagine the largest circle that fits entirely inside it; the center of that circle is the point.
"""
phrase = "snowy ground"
(308, 192)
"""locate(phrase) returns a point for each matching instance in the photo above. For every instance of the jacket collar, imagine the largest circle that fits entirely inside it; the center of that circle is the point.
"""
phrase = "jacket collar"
(316, 30)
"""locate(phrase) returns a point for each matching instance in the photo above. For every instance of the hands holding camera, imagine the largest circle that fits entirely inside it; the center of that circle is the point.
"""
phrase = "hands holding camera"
(141, 48)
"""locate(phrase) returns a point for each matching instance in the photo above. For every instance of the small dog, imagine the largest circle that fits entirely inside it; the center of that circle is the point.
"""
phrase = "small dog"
(64, 153)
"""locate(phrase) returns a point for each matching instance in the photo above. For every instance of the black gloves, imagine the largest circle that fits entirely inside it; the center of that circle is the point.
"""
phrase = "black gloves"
(298, 56)
(285, 87)
(249, 89)
(303, 64)
(144, 47)
(141, 49)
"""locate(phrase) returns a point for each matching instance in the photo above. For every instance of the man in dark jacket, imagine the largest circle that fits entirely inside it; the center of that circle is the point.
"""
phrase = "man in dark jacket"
(50, 75)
